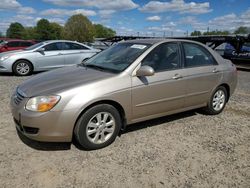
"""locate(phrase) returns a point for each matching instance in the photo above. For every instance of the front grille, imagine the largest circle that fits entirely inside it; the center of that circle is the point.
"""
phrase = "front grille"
(18, 98)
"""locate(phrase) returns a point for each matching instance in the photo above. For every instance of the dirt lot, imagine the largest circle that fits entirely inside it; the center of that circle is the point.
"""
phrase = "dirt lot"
(184, 150)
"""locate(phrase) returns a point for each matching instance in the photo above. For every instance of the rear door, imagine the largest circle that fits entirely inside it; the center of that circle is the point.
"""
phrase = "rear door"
(52, 57)
(202, 74)
(75, 53)
(165, 90)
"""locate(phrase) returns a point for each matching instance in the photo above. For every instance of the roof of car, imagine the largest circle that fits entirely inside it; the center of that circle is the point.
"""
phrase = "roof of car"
(155, 40)
(50, 41)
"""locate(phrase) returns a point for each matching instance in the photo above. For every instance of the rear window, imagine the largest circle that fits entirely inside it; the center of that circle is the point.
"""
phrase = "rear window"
(25, 44)
(74, 46)
(13, 44)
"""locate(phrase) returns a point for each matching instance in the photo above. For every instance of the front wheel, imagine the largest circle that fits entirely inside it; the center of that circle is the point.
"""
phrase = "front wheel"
(98, 127)
(217, 101)
(22, 68)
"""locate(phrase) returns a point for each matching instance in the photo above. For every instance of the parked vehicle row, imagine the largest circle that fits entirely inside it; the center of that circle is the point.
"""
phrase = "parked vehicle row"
(14, 44)
(45, 56)
(130, 82)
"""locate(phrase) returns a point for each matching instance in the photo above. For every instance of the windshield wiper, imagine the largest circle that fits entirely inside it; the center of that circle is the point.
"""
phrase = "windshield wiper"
(100, 68)
(94, 66)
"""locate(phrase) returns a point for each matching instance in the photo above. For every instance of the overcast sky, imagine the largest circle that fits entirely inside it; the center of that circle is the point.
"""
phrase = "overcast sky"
(128, 17)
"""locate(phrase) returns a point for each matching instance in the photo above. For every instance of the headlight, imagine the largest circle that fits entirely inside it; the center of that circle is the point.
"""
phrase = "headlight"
(4, 58)
(42, 103)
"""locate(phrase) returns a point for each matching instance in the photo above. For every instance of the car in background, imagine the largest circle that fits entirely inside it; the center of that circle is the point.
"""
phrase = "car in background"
(14, 44)
(129, 82)
(45, 56)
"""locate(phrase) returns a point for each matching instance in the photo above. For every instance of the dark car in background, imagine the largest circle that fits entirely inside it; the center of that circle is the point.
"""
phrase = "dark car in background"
(14, 44)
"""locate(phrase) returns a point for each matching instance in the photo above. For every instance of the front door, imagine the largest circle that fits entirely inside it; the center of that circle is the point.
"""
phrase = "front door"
(164, 91)
(52, 57)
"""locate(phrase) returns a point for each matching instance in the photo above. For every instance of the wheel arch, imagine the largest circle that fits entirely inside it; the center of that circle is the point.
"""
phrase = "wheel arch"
(113, 103)
(23, 60)
(227, 87)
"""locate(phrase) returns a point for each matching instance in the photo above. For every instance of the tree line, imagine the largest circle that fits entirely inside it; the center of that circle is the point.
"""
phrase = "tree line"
(77, 28)
(239, 30)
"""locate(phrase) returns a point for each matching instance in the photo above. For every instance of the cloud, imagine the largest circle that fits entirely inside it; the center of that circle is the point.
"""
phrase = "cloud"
(228, 22)
(26, 10)
(57, 20)
(9, 5)
(153, 18)
(13, 5)
(65, 12)
(106, 14)
(176, 6)
(100, 4)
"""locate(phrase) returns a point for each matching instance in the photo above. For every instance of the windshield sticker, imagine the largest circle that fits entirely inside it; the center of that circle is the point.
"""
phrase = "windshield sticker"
(138, 46)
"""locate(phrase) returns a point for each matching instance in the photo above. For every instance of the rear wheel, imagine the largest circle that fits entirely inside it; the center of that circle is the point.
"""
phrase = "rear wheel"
(217, 101)
(22, 68)
(98, 127)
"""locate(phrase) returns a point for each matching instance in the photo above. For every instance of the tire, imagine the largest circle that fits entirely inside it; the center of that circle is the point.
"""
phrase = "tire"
(22, 68)
(92, 131)
(217, 101)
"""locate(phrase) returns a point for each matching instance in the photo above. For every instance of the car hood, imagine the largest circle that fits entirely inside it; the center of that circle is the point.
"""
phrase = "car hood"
(14, 52)
(61, 79)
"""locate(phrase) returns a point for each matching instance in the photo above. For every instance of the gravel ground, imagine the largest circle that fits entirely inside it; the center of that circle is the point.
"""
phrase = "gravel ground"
(183, 150)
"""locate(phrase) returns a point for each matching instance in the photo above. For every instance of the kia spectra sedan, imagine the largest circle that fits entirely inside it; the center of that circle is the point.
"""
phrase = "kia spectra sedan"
(130, 82)
(45, 56)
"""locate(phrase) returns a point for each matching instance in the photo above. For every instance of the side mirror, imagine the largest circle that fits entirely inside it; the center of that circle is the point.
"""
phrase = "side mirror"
(41, 50)
(145, 71)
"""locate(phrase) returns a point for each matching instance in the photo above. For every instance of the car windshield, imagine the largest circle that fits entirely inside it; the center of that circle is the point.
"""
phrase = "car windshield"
(34, 46)
(118, 57)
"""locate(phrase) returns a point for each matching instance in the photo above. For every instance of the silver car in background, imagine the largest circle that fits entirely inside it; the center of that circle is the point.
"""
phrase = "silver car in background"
(45, 56)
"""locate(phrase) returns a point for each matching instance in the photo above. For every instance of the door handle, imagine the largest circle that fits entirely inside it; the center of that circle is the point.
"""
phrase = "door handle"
(215, 70)
(59, 54)
(176, 77)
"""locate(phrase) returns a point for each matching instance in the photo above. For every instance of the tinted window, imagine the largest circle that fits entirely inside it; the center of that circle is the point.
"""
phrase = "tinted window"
(164, 57)
(74, 46)
(196, 55)
(245, 47)
(53, 46)
(25, 44)
(13, 44)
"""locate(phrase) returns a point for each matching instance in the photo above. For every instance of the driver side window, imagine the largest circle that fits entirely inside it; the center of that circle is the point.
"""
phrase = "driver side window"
(164, 57)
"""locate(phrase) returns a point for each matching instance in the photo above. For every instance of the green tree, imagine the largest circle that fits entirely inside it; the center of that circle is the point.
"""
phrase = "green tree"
(216, 32)
(30, 33)
(242, 30)
(196, 33)
(43, 29)
(15, 30)
(55, 31)
(79, 28)
(1, 34)
(103, 32)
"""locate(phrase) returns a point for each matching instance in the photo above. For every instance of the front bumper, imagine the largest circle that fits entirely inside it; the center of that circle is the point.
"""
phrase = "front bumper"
(46, 127)
(5, 66)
